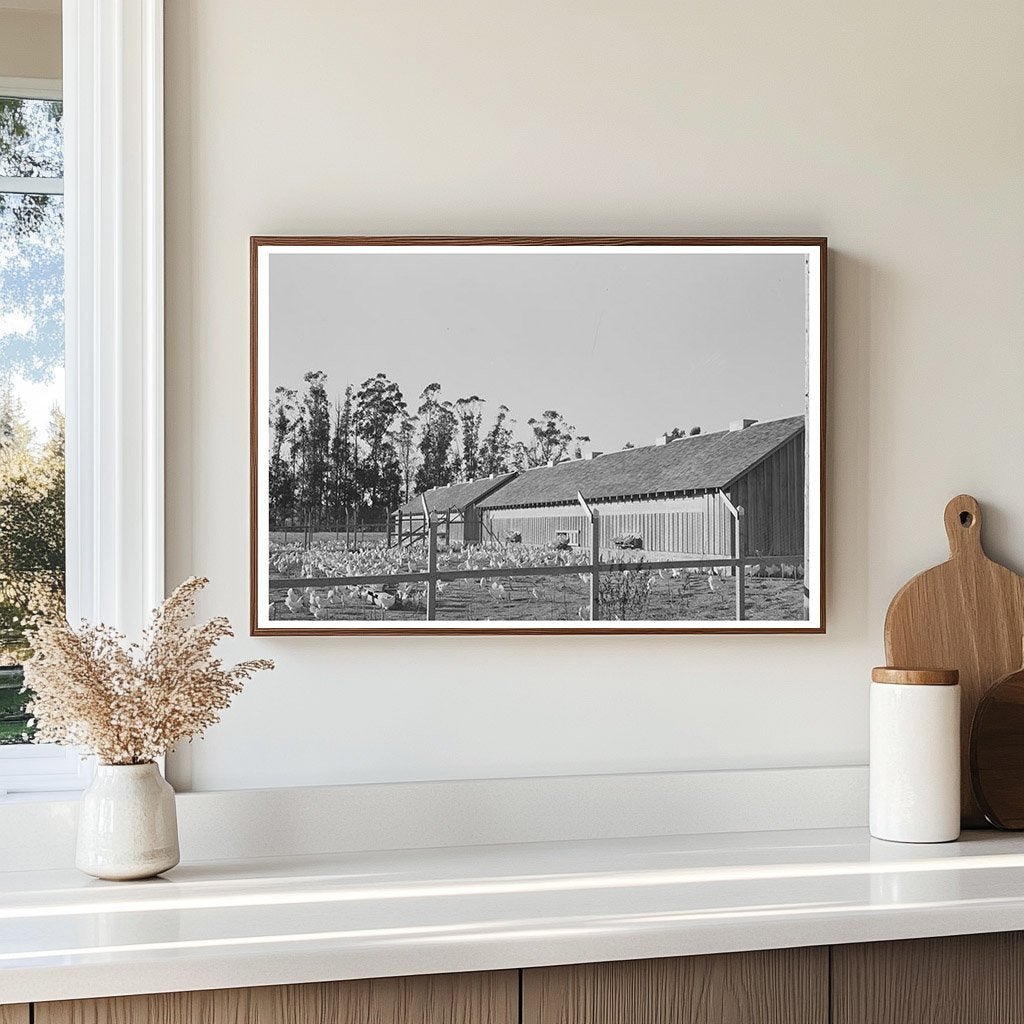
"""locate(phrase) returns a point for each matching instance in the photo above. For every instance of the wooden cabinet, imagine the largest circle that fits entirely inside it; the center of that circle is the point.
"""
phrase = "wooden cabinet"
(778, 986)
(972, 979)
(491, 998)
(963, 979)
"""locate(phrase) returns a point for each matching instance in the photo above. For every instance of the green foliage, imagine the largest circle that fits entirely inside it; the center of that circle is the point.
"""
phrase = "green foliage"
(31, 142)
(14, 719)
(31, 525)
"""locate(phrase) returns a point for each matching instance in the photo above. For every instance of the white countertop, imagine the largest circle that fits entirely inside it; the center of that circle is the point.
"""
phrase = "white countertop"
(226, 924)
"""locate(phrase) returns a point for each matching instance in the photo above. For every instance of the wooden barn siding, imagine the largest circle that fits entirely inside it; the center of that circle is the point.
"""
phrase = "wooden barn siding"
(472, 530)
(535, 529)
(691, 526)
(772, 496)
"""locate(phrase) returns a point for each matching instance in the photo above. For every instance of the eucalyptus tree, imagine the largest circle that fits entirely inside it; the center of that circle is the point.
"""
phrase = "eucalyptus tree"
(470, 417)
(379, 407)
(439, 456)
(552, 437)
(341, 491)
(405, 441)
(315, 440)
(281, 469)
(497, 449)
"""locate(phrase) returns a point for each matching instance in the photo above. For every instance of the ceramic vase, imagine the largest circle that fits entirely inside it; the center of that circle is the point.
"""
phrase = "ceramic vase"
(127, 825)
(915, 755)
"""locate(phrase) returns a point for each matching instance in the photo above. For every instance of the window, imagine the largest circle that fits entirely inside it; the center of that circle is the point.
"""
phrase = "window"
(31, 382)
(106, 145)
(32, 531)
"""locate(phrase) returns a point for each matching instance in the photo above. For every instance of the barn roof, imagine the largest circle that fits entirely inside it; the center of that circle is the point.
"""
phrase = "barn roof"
(702, 463)
(456, 497)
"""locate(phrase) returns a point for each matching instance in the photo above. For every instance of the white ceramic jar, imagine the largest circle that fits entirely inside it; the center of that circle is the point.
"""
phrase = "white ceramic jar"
(127, 823)
(915, 755)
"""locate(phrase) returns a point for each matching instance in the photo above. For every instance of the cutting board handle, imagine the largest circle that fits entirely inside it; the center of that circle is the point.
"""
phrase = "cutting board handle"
(963, 527)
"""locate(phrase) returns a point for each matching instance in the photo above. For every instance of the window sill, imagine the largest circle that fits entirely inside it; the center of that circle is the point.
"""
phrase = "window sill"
(42, 771)
(43, 797)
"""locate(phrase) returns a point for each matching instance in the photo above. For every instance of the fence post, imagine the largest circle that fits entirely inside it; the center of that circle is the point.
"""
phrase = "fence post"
(432, 568)
(736, 511)
(741, 569)
(595, 557)
(430, 528)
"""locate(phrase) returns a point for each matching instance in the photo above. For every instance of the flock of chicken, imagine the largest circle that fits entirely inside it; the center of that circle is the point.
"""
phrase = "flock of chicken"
(324, 604)
(328, 560)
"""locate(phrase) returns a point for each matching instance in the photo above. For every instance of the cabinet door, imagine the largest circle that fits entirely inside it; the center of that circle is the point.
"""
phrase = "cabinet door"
(491, 998)
(962, 979)
(14, 1014)
(779, 986)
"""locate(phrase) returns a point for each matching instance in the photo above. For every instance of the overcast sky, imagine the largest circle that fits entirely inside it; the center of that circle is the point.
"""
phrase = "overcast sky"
(625, 346)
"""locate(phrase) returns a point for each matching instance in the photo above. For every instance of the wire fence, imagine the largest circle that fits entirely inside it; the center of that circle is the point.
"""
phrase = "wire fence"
(595, 568)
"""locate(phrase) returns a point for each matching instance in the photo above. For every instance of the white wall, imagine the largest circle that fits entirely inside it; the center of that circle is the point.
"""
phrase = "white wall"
(895, 129)
(30, 42)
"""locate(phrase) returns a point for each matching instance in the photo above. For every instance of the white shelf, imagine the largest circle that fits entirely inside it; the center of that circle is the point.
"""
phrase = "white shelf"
(355, 915)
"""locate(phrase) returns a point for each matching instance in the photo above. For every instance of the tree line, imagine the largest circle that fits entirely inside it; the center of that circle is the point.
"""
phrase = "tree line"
(361, 456)
(31, 523)
(368, 452)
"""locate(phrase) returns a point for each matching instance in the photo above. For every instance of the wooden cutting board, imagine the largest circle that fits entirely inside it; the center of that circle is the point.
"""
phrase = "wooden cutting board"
(967, 614)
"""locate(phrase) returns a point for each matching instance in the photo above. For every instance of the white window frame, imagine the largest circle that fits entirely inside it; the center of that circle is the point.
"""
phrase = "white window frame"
(37, 767)
(114, 335)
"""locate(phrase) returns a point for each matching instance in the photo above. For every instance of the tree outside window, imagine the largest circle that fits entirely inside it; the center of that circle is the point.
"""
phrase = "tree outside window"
(32, 548)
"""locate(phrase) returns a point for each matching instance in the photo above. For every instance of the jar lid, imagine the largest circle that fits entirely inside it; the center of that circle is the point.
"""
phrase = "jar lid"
(916, 676)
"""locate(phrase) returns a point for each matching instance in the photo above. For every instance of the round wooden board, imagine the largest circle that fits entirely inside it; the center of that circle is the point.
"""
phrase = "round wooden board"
(997, 752)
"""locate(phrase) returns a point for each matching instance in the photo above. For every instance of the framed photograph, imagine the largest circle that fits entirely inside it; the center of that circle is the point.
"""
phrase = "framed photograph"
(537, 435)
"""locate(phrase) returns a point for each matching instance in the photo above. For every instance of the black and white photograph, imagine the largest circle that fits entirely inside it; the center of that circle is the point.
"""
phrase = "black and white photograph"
(544, 435)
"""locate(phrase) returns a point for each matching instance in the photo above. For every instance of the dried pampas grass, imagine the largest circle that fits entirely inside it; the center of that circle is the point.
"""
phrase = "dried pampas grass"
(130, 703)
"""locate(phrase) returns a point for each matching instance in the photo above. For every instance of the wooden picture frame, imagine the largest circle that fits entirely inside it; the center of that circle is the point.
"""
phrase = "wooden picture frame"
(470, 546)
